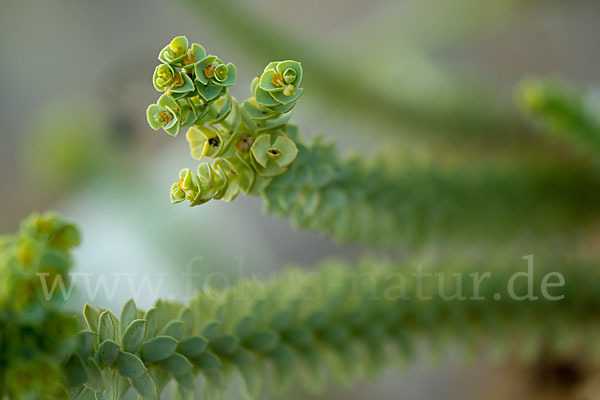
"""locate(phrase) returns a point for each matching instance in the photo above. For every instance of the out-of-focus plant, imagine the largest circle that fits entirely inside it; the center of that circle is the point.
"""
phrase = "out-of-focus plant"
(336, 322)
(460, 110)
(36, 336)
(69, 142)
(563, 112)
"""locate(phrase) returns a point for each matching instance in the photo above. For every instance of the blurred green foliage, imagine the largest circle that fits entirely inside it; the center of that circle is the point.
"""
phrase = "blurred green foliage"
(563, 112)
(36, 336)
(69, 142)
(340, 323)
(428, 99)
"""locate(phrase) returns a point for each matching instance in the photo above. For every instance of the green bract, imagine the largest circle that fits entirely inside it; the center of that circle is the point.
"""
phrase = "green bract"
(204, 142)
(163, 77)
(175, 51)
(167, 79)
(279, 84)
(211, 70)
(193, 56)
(213, 77)
(165, 114)
(272, 157)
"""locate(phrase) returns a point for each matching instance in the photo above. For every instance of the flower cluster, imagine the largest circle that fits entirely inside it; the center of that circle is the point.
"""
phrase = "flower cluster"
(249, 144)
(192, 82)
(275, 94)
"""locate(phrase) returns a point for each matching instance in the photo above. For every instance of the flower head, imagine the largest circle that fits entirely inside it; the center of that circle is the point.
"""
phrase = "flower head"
(166, 114)
(273, 156)
(279, 84)
(175, 51)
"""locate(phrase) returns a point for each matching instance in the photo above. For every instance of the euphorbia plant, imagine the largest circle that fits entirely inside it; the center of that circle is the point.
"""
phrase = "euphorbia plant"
(335, 322)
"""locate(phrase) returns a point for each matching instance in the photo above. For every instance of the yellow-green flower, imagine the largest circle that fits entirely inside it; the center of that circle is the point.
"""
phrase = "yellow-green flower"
(165, 114)
(175, 51)
(213, 76)
(271, 157)
(163, 77)
(279, 84)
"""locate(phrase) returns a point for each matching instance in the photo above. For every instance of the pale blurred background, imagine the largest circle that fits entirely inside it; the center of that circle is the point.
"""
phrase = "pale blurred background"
(76, 80)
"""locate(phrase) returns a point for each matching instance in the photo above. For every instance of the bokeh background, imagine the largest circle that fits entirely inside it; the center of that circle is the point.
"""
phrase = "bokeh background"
(436, 81)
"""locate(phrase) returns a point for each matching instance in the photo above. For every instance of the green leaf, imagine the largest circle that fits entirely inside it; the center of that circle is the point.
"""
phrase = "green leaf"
(152, 323)
(317, 319)
(75, 371)
(299, 337)
(187, 316)
(226, 344)
(95, 379)
(192, 346)
(158, 348)
(144, 385)
(81, 393)
(262, 341)
(186, 381)
(242, 358)
(255, 111)
(207, 361)
(211, 331)
(214, 386)
(253, 380)
(244, 327)
(175, 364)
(106, 328)
(128, 314)
(281, 108)
(129, 365)
(133, 336)
(282, 354)
(91, 316)
(85, 343)
(174, 329)
(281, 320)
(108, 352)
